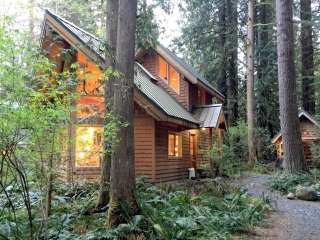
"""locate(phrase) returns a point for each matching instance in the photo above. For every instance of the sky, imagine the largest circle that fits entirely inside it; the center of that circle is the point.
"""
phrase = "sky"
(168, 23)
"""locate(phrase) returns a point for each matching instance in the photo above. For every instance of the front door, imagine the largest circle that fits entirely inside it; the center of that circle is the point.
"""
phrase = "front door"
(193, 150)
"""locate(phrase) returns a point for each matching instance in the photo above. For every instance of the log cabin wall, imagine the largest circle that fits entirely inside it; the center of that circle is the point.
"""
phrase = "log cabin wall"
(308, 129)
(204, 145)
(151, 62)
(169, 168)
(144, 137)
(310, 135)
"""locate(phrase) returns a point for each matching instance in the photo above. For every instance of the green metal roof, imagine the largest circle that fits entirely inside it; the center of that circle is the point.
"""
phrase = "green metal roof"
(208, 115)
(159, 96)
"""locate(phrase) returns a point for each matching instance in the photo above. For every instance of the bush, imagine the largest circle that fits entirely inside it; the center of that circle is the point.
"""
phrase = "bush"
(315, 150)
(206, 211)
(232, 155)
(288, 183)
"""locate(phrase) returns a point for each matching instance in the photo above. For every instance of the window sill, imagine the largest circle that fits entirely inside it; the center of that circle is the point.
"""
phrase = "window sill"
(174, 157)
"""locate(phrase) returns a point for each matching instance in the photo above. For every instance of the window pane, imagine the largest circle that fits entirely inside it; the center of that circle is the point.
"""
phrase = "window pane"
(89, 141)
(174, 82)
(163, 68)
(174, 145)
(171, 145)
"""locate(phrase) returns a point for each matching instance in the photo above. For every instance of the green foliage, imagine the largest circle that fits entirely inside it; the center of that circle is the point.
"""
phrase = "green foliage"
(232, 155)
(213, 211)
(182, 215)
(315, 150)
(34, 110)
(288, 183)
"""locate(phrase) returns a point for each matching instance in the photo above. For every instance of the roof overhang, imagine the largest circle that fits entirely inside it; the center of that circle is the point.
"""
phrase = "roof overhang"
(157, 113)
(51, 21)
(210, 116)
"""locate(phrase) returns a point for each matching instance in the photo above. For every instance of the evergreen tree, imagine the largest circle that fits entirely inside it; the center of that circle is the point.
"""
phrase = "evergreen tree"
(290, 127)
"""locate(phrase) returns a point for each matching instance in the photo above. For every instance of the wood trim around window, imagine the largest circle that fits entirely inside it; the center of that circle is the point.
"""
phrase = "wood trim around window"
(166, 76)
(174, 145)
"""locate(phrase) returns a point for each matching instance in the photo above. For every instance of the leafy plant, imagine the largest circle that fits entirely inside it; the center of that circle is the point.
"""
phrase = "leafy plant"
(288, 183)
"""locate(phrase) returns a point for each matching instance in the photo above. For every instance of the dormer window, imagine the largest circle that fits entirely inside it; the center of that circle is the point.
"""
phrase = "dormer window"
(169, 74)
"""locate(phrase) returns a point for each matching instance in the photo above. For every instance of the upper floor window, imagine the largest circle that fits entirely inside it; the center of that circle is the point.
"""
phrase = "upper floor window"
(168, 73)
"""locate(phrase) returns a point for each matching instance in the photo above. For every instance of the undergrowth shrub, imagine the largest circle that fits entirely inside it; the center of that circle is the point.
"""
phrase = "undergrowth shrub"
(232, 155)
(315, 150)
(205, 211)
(288, 183)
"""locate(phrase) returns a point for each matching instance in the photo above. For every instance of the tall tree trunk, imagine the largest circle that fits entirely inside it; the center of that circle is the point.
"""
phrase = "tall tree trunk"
(111, 41)
(290, 128)
(266, 71)
(250, 85)
(307, 64)
(232, 69)
(122, 198)
(222, 78)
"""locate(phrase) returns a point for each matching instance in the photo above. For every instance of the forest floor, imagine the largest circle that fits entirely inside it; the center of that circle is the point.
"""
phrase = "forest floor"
(290, 220)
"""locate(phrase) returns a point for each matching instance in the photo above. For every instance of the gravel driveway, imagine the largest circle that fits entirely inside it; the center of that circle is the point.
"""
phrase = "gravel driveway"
(292, 219)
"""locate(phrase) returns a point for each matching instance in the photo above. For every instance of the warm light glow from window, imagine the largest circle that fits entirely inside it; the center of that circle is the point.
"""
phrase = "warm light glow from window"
(89, 145)
(168, 73)
(174, 80)
(163, 68)
(174, 145)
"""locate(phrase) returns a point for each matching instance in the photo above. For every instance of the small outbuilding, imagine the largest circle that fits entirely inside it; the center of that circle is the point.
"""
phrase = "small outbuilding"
(310, 134)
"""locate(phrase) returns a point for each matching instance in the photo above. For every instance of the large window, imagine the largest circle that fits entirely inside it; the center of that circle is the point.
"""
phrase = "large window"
(169, 74)
(89, 146)
(174, 145)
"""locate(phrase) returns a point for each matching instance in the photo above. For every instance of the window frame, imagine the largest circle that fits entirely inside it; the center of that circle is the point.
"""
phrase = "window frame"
(99, 164)
(168, 77)
(179, 147)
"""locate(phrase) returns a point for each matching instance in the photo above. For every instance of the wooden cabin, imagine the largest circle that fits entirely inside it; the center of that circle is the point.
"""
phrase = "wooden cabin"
(177, 112)
(310, 134)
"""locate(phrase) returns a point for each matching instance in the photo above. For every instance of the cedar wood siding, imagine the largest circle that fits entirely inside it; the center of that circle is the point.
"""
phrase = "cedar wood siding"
(174, 168)
(144, 137)
(204, 145)
(310, 134)
(170, 168)
(150, 62)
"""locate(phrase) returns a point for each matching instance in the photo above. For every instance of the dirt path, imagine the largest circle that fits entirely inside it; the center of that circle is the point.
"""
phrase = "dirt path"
(292, 219)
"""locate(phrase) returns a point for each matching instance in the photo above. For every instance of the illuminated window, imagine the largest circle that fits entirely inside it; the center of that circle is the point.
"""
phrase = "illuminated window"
(169, 74)
(89, 146)
(163, 68)
(174, 80)
(174, 145)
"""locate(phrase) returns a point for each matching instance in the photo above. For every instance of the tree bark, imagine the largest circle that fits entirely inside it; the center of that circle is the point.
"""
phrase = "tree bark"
(232, 64)
(222, 78)
(122, 199)
(111, 42)
(307, 64)
(290, 127)
(250, 86)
